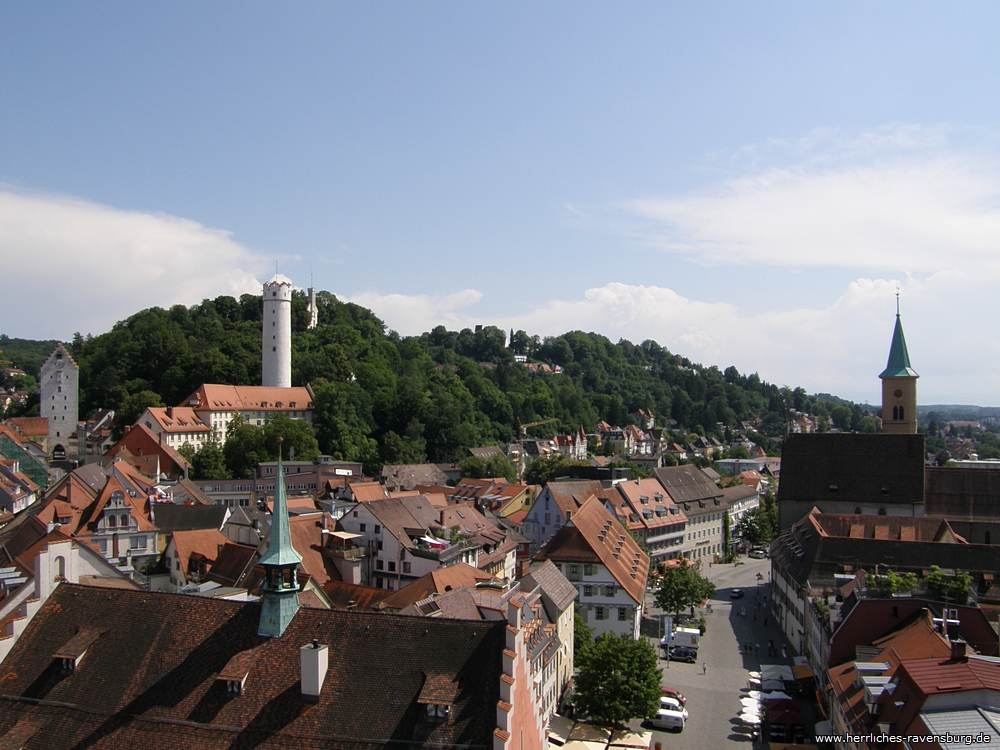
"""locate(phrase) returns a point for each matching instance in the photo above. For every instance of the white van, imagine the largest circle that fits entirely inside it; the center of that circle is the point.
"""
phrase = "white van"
(672, 704)
(667, 719)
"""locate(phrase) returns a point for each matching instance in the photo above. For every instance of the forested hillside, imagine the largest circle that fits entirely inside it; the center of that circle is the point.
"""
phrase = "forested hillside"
(382, 398)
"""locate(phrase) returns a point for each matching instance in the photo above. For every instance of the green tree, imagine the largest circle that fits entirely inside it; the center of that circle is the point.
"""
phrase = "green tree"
(583, 639)
(496, 466)
(131, 409)
(297, 435)
(209, 462)
(755, 527)
(953, 588)
(682, 586)
(544, 469)
(244, 449)
(868, 425)
(619, 680)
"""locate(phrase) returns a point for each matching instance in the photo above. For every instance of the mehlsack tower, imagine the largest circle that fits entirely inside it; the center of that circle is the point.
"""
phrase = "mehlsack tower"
(276, 352)
(899, 386)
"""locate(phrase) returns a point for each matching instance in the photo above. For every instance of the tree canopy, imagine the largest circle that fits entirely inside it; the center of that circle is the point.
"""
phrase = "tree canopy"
(682, 586)
(619, 680)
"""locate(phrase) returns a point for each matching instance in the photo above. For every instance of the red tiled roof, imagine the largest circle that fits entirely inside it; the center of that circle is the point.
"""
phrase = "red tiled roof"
(594, 535)
(206, 542)
(242, 397)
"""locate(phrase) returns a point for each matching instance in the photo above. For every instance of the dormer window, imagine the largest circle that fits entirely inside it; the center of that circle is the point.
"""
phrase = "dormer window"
(263, 404)
(437, 713)
(277, 404)
(112, 521)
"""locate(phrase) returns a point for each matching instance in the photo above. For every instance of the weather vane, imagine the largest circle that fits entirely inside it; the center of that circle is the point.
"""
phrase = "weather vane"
(897, 298)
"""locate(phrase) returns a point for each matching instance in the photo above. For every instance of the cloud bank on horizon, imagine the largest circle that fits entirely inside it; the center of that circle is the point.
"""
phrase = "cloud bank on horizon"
(902, 205)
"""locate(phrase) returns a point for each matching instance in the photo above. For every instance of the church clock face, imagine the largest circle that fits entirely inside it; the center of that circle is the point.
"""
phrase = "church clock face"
(897, 393)
(59, 364)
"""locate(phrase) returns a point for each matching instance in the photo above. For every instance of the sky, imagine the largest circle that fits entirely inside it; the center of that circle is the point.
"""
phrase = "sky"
(748, 184)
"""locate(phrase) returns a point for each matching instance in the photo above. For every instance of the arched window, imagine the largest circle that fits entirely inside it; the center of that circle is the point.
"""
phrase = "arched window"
(901, 413)
(60, 568)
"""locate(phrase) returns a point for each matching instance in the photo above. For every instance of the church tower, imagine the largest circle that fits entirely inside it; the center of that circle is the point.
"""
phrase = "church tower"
(899, 386)
(280, 601)
(276, 352)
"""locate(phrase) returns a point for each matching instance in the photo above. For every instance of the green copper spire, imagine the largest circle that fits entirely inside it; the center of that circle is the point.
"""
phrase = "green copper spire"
(281, 587)
(899, 359)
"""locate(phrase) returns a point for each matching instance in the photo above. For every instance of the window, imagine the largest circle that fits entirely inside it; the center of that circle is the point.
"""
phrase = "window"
(588, 590)
(177, 564)
(392, 566)
(574, 569)
(588, 569)
(609, 590)
(355, 514)
(406, 567)
(599, 613)
(138, 542)
(378, 545)
(361, 526)
(379, 565)
(378, 529)
(623, 614)
(548, 518)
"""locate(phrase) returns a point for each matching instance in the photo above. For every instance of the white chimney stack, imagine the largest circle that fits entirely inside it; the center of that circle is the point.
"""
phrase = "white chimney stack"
(315, 661)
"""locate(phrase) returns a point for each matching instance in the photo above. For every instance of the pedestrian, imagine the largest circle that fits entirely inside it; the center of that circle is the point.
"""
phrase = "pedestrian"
(784, 652)
(757, 650)
(770, 648)
(704, 667)
(765, 622)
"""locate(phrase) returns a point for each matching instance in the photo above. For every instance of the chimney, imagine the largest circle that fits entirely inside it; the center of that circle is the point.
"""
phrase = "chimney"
(170, 412)
(315, 660)
(958, 647)
(128, 428)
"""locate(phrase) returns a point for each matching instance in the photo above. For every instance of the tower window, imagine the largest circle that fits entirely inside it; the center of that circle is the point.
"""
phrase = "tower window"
(274, 294)
(274, 348)
(901, 413)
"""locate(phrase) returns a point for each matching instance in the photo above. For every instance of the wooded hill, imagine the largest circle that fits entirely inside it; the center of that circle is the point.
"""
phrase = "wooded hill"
(383, 398)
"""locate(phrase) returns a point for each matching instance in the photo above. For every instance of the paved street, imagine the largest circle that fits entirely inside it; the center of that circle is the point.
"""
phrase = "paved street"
(713, 698)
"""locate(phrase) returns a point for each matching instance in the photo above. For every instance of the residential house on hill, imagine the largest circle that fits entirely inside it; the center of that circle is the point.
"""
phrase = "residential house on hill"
(605, 564)
(217, 405)
(176, 426)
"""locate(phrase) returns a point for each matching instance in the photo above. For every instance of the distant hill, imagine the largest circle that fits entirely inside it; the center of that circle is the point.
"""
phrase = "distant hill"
(383, 398)
(26, 354)
(959, 411)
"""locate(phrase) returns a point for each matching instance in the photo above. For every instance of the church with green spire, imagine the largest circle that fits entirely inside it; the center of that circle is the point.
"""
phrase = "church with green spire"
(280, 600)
(899, 386)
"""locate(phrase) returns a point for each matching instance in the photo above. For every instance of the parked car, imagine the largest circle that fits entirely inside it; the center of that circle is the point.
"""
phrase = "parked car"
(737, 594)
(757, 554)
(672, 704)
(682, 653)
(667, 719)
(676, 694)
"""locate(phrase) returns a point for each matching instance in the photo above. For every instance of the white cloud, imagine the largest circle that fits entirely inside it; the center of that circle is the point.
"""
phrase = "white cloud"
(898, 200)
(92, 265)
(413, 314)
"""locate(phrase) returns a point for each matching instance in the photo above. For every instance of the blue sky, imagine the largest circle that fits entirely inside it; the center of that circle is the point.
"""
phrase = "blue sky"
(745, 183)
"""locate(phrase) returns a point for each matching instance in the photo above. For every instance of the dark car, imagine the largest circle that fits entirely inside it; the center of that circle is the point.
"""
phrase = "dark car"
(737, 594)
(683, 653)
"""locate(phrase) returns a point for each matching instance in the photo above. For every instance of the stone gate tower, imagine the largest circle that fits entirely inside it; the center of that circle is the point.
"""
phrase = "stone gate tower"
(899, 386)
(276, 353)
(59, 400)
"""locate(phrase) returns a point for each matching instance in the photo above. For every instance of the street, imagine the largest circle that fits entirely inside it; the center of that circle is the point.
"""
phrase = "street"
(713, 698)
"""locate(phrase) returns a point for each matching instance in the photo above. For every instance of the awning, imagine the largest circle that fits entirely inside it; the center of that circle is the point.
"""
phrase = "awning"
(802, 673)
(559, 729)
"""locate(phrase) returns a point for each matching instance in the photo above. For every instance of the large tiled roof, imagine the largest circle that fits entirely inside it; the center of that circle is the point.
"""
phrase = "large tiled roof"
(971, 495)
(857, 468)
(687, 483)
(243, 397)
(205, 542)
(594, 535)
(570, 495)
(170, 517)
(151, 679)
(177, 419)
(554, 584)
(437, 581)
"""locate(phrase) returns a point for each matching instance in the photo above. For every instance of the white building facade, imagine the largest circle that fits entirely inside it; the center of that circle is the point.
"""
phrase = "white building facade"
(276, 344)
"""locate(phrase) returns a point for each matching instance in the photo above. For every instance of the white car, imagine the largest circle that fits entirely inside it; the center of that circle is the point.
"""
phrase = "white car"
(667, 719)
(672, 704)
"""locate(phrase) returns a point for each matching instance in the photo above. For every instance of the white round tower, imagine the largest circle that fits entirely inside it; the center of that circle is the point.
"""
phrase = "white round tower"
(276, 353)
